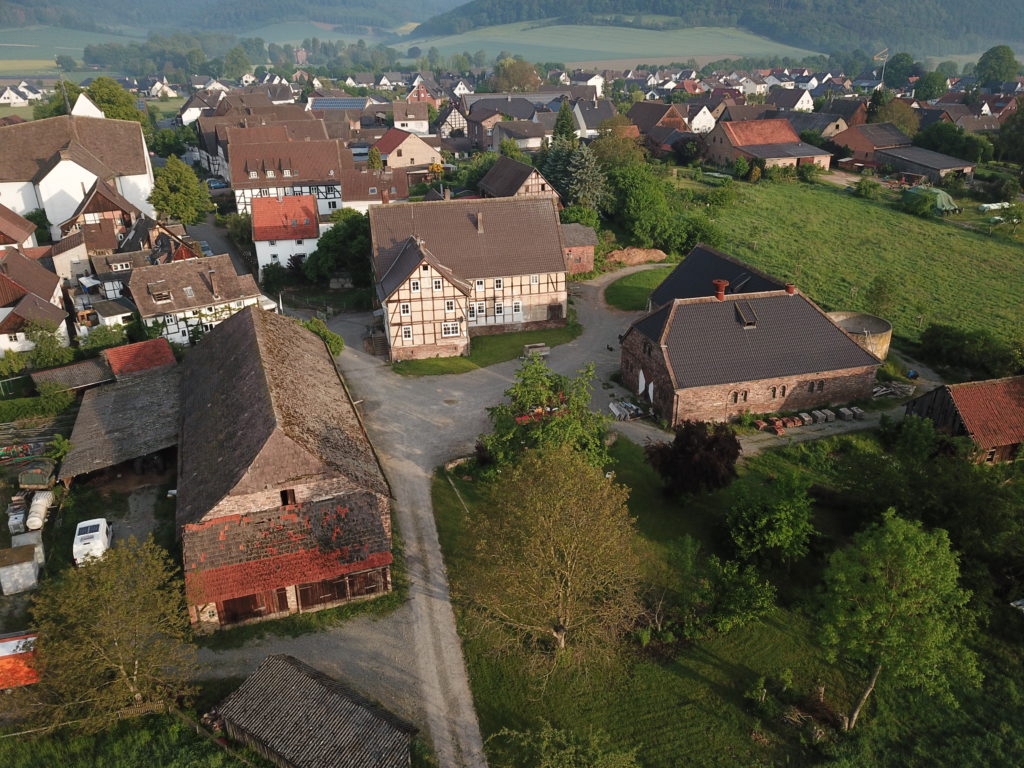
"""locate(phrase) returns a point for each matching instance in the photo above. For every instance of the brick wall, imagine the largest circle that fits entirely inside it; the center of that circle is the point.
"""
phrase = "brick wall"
(536, 325)
(641, 355)
(458, 346)
(579, 258)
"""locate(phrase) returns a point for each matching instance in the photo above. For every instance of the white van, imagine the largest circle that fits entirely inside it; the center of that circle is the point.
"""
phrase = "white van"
(92, 539)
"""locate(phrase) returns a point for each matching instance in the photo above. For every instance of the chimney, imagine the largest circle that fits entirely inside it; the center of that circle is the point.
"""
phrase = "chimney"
(213, 283)
(448, 196)
(479, 223)
(790, 288)
(720, 286)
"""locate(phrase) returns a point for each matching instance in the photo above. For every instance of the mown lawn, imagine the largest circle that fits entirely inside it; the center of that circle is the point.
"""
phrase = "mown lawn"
(833, 244)
(489, 350)
(630, 293)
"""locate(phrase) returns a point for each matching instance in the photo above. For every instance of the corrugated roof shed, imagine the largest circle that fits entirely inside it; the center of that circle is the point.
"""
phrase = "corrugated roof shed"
(313, 721)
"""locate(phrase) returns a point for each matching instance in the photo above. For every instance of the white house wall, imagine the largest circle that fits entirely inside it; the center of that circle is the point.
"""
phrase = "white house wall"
(19, 196)
(137, 189)
(62, 190)
(281, 251)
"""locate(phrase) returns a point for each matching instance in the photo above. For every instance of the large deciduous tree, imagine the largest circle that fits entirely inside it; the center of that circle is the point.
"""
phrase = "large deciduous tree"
(893, 605)
(997, 65)
(236, 63)
(701, 457)
(178, 194)
(931, 86)
(112, 634)
(772, 521)
(48, 349)
(547, 409)
(515, 75)
(898, 69)
(555, 562)
(344, 247)
(899, 114)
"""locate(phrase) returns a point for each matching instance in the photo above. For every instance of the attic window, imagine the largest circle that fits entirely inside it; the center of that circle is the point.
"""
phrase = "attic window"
(122, 267)
(286, 173)
(373, 190)
(270, 174)
(288, 497)
(254, 174)
(189, 292)
(746, 313)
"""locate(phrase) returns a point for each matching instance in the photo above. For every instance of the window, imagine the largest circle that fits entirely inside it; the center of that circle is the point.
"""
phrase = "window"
(407, 332)
(499, 284)
(399, 152)
(184, 334)
(543, 187)
(773, 393)
(270, 174)
(254, 175)
(499, 309)
(372, 190)
(414, 286)
(517, 307)
(298, 242)
(189, 292)
(404, 309)
(821, 385)
(810, 386)
(734, 397)
(425, 268)
(332, 205)
(272, 242)
(449, 305)
(122, 267)
(12, 337)
(990, 456)
(287, 173)
(481, 309)
(534, 279)
(744, 395)
(782, 390)
(288, 498)
(450, 329)
(437, 284)
(471, 311)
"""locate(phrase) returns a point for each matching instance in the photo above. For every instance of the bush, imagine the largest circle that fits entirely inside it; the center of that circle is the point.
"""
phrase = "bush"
(740, 168)
(51, 401)
(867, 188)
(334, 342)
(978, 351)
(808, 173)
(579, 214)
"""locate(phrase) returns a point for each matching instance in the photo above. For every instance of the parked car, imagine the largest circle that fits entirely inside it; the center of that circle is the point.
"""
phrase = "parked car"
(92, 539)
(205, 248)
(216, 184)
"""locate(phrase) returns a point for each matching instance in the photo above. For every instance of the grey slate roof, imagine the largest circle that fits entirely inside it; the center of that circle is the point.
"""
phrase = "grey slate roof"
(706, 341)
(693, 275)
(809, 121)
(883, 134)
(84, 374)
(516, 107)
(120, 422)
(923, 157)
(313, 721)
(520, 235)
(576, 235)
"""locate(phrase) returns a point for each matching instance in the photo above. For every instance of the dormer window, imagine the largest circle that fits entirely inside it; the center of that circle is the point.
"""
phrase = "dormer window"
(287, 173)
(270, 174)
(373, 190)
(121, 267)
(254, 174)
(189, 292)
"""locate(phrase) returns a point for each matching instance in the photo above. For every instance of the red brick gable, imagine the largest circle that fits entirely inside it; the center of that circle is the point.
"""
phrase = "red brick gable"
(291, 217)
(141, 356)
(752, 132)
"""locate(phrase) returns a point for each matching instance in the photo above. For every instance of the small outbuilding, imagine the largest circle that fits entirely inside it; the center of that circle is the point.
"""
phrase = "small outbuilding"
(297, 717)
(19, 569)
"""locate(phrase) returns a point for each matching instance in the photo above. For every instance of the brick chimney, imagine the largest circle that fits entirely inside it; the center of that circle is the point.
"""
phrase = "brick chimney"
(790, 288)
(720, 286)
(479, 223)
(213, 283)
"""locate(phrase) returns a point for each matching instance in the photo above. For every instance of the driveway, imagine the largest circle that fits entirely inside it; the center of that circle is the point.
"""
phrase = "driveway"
(219, 241)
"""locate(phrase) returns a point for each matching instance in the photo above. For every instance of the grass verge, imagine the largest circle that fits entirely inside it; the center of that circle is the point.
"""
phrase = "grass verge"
(489, 350)
(630, 293)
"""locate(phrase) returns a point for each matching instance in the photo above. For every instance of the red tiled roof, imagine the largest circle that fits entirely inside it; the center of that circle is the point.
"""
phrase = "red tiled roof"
(992, 411)
(750, 132)
(141, 356)
(391, 140)
(16, 663)
(291, 217)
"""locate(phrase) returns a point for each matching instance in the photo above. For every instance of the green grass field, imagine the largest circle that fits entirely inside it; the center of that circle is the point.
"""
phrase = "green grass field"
(630, 293)
(583, 43)
(488, 350)
(43, 44)
(832, 245)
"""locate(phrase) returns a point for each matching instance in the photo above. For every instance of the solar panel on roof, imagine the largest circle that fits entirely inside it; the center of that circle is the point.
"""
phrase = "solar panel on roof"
(332, 102)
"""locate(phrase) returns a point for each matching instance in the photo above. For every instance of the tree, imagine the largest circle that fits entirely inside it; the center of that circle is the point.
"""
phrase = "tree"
(112, 634)
(545, 409)
(334, 342)
(1011, 135)
(565, 123)
(173, 141)
(773, 520)
(55, 105)
(614, 147)
(514, 75)
(178, 194)
(996, 66)
(588, 186)
(49, 350)
(66, 63)
(892, 602)
(116, 103)
(867, 188)
(898, 69)
(555, 562)
(740, 168)
(236, 63)
(931, 86)
(556, 164)
(373, 159)
(42, 222)
(948, 68)
(345, 247)
(104, 337)
(510, 148)
(550, 747)
(701, 457)
(899, 114)
(882, 296)
(577, 214)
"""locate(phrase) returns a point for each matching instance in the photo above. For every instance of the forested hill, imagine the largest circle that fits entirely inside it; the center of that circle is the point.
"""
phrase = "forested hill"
(236, 15)
(922, 26)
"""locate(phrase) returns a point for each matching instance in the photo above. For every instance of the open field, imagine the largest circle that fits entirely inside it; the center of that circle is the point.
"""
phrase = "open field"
(582, 43)
(42, 44)
(832, 245)
(630, 293)
(23, 112)
(296, 31)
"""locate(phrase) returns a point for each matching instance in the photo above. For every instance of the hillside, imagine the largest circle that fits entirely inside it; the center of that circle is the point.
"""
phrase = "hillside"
(922, 26)
(210, 14)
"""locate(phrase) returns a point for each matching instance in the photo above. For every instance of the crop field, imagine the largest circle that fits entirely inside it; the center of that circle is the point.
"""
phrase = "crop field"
(832, 245)
(296, 31)
(32, 49)
(585, 43)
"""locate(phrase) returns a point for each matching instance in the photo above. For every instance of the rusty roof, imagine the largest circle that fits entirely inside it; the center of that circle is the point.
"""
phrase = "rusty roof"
(139, 357)
(992, 411)
(760, 132)
(479, 238)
